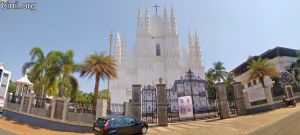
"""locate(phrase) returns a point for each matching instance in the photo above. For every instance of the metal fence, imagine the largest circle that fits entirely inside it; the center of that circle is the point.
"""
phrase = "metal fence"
(15, 99)
(39, 102)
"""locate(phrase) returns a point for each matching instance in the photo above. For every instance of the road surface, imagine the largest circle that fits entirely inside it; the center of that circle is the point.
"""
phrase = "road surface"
(286, 126)
(2, 131)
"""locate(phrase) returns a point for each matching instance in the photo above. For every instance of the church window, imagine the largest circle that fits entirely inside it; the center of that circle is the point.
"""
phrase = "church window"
(157, 50)
(249, 84)
(254, 82)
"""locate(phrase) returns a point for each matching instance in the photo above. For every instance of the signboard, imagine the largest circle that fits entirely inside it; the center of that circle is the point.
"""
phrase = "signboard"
(185, 105)
(256, 94)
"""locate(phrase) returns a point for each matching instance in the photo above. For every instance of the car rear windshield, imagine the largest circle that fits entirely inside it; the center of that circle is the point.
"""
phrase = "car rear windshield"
(101, 122)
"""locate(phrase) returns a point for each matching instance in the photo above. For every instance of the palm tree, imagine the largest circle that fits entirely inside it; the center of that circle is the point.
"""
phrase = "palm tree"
(219, 71)
(38, 66)
(103, 94)
(295, 66)
(215, 75)
(102, 67)
(261, 68)
(68, 84)
(210, 78)
(229, 79)
(52, 72)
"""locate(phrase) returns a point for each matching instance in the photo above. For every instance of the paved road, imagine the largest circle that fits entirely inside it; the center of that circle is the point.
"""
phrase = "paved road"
(287, 126)
(2, 131)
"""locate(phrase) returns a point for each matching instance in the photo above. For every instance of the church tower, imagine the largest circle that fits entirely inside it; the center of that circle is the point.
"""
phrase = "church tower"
(117, 53)
(140, 27)
(166, 22)
(147, 22)
(195, 60)
(124, 46)
(173, 22)
(157, 53)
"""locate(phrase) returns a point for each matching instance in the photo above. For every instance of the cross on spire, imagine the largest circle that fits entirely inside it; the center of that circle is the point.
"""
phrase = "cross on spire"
(156, 6)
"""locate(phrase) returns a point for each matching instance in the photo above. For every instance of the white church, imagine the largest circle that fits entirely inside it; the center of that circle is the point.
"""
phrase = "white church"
(157, 54)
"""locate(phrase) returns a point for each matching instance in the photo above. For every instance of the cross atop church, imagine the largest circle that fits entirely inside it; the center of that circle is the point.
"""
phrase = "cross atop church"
(156, 6)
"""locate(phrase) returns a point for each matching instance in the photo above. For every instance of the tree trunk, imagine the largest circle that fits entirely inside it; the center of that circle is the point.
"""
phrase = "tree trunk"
(261, 79)
(62, 88)
(264, 87)
(96, 91)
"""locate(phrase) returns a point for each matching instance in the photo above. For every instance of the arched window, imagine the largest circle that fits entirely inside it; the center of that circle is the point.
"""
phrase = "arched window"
(157, 50)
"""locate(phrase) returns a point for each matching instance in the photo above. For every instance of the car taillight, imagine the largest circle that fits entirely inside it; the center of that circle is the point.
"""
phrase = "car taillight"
(106, 125)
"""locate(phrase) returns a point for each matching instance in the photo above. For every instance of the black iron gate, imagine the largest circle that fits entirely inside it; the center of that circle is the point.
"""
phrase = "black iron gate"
(173, 112)
(149, 104)
(203, 106)
(204, 102)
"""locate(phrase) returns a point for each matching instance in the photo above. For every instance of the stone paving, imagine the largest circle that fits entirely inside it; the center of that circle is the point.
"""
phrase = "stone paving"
(241, 125)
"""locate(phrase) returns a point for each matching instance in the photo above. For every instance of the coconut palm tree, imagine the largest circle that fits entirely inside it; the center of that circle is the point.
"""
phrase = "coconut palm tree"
(38, 66)
(102, 67)
(215, 75)
(103, 94)
(60, 71)
(52, 72)
(260, 68)
(219, 72)
(295, 66)
(210, 78)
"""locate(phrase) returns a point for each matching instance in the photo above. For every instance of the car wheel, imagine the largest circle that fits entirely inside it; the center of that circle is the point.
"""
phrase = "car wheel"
(144, 130)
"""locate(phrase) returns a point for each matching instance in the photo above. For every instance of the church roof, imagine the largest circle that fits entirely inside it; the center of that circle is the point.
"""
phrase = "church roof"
(269, 54)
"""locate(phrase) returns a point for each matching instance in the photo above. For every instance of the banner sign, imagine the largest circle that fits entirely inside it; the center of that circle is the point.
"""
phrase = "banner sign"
(185, 105)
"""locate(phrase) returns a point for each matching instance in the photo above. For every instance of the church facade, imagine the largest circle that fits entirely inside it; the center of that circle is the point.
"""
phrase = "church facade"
(157, 53)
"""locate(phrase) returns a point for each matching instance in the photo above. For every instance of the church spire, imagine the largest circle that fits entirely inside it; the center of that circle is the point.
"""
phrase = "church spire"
(117, 39)
(196, 39)
(117, 48)
(173, 22)
(140, 22)
(124, 46)
(147, 21)
(191, 41)
(166, 21)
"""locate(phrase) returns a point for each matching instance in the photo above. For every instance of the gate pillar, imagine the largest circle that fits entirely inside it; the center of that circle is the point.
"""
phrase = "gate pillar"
(136, 101)
(127, 108)
(239, 98)
(222, 101)
(162, 105)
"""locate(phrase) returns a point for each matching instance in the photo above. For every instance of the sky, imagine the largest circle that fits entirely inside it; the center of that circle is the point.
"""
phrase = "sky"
(229, 30)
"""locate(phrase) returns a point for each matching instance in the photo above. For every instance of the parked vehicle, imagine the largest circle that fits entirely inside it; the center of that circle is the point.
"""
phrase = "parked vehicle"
(119, 125)
(289, 102)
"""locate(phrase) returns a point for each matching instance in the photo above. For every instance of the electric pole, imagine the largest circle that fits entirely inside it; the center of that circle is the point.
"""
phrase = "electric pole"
(108, 81)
